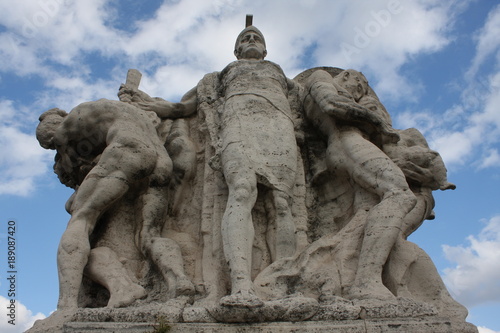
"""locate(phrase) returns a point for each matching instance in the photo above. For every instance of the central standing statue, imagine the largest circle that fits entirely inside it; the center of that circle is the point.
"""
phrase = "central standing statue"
(255, 145)
(258, 147)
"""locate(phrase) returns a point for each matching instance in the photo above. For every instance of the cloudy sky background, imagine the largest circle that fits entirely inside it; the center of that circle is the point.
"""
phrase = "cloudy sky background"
(434, 64)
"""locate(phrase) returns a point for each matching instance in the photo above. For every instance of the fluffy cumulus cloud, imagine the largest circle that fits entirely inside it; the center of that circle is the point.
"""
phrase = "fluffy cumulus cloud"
(478, 140)
(58, 30)
(470, 138)
(492, 159)
(475, 279)
(469, 132)
(382, 36)
(22, 160)
(24, 318)
(80, 50)
(379, 36)
(488, 43)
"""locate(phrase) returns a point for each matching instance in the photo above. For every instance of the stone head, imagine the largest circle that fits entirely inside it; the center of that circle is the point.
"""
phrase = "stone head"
(354, 82)
(250, 44)
(49, 122)
(372, 103)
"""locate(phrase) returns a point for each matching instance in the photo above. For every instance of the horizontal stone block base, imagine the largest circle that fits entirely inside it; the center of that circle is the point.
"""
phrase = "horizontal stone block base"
(406, 325)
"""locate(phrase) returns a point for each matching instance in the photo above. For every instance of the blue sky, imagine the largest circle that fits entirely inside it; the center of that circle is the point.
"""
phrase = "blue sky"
(434, 64)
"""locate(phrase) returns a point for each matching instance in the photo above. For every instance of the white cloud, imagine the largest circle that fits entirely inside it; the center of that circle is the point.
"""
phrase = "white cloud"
(383, 45)
(488, 42)
(491, 115)
(454, 147)
(171, 82)
(483, 329)
(201, 33)
(183, 40)
(425, 121)
(492, 159)
(469, 132)
(68, 92)
(475, 279)
(471, 138)
(24, 318)
(22, 160)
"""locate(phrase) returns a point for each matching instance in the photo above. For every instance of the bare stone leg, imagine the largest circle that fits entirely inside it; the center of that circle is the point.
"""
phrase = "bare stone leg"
(377, 244)
(164, 252)
(404, 253)
(286, 243)
(94, 195)
(72, 257)
(376, 173)
(105, 268)
(238, 235)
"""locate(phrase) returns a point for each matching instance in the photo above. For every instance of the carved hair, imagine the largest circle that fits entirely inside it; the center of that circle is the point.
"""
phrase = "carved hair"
(49, 122)
(54, 111)
(360, 75)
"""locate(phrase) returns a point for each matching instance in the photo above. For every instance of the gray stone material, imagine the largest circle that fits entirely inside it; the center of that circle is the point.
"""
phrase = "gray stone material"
(258, 203)
(349, 326)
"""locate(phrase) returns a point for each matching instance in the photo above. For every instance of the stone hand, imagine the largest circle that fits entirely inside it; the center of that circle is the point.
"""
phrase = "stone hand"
(132, 95)
(389, 134)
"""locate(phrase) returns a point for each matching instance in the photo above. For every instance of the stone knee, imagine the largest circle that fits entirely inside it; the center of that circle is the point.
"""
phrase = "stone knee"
(74, 240)
(409, 199)
(244, 191)
(281, 204)
(103, 255)
(162, 172)
(166, 253)
(405, 198)
(103, 265)
(85, 214)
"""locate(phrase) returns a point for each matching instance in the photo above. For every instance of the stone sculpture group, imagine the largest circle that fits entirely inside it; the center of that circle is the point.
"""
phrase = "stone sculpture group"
(255, 198)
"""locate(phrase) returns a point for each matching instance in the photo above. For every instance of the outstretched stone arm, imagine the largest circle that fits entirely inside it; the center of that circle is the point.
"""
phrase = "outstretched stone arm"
(164, 109)
(322, 90)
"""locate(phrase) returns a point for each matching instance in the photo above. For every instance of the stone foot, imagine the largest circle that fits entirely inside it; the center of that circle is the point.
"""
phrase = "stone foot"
(246, 299)
(371, 291)
(184, 287)
(126, 296)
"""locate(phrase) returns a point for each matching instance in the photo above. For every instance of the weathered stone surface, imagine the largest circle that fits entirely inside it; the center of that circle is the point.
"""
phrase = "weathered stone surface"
(255, 199)
(197, 315)
(171, 311)
(289, 309)
(437, 325)
(342, 309)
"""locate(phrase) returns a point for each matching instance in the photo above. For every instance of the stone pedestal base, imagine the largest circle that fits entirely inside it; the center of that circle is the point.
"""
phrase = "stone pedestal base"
(288, 315)
(404, 325)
